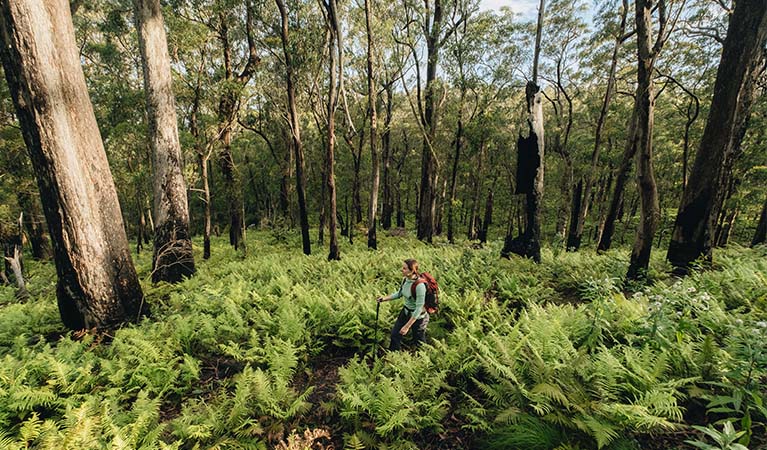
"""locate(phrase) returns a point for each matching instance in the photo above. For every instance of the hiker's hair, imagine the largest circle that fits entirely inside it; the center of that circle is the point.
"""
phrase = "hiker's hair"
(412, 264)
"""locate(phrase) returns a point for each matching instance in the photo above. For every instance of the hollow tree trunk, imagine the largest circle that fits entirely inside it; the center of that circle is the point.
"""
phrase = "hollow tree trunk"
(693, 228)
(97, 284)
(173, 259)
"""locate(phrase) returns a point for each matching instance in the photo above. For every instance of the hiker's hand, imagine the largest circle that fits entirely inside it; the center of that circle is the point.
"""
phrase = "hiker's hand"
(380, 300)
(403, 331)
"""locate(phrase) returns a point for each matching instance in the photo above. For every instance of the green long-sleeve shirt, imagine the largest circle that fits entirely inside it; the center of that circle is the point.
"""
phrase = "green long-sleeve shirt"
(412, 304)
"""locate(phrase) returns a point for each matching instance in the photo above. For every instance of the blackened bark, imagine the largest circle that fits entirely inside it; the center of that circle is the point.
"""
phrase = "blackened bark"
(97, 283)
(693, 228)
(529, 243)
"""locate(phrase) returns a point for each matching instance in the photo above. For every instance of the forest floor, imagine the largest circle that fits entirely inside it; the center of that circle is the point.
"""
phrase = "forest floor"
(273, 350)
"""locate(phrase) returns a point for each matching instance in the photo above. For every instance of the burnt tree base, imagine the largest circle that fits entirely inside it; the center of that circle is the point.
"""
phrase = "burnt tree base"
(523, 246)
(173, 258)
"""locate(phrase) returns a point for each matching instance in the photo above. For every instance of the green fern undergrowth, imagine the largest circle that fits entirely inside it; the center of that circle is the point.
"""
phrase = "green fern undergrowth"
(273, 348)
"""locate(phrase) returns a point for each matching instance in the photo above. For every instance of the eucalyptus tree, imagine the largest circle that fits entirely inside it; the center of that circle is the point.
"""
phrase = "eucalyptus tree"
(97, 283)
(429, 23)
(234, 59)
(648, 49)
(334, 48)
(582, 199)
(741, 55)
(562, 38)
(295, 126)
(173, 258)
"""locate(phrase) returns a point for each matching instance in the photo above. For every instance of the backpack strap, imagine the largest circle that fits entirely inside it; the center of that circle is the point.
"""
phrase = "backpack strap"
(415, 284)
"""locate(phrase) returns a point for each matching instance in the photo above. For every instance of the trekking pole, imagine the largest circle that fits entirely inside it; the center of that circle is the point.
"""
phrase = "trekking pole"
(375, 339)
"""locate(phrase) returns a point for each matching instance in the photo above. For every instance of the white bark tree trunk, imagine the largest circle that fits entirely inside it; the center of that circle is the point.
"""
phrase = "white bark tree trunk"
(97, 283)
(173, 259)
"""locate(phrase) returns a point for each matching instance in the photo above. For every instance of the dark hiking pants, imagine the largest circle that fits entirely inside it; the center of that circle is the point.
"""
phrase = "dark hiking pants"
(418, 329)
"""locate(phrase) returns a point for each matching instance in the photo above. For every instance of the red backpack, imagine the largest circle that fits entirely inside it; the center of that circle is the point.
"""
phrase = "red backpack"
(431, 303)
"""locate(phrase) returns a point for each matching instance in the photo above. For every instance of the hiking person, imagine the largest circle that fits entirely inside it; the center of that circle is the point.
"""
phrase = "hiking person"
(413, 313)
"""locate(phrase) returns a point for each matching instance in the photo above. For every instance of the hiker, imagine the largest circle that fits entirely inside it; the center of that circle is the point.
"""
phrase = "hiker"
(413, 313)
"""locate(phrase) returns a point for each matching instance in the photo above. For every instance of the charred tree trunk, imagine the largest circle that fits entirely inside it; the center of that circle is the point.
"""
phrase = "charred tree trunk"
(530, 164)
(97, 283)
(694, 225)
(173, 259)
(226, 113)
(531, 152)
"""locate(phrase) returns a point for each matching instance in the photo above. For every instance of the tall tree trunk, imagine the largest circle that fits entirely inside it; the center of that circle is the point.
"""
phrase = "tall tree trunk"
(295, 131)
(579, 214)
(227, 109)
(644, 106)
(425, 217)
(97, 283)
(173, 259)
(333, 252)
(203, 155)
(693, 228)
(760, 235)
(375, 169)
(566, 188)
